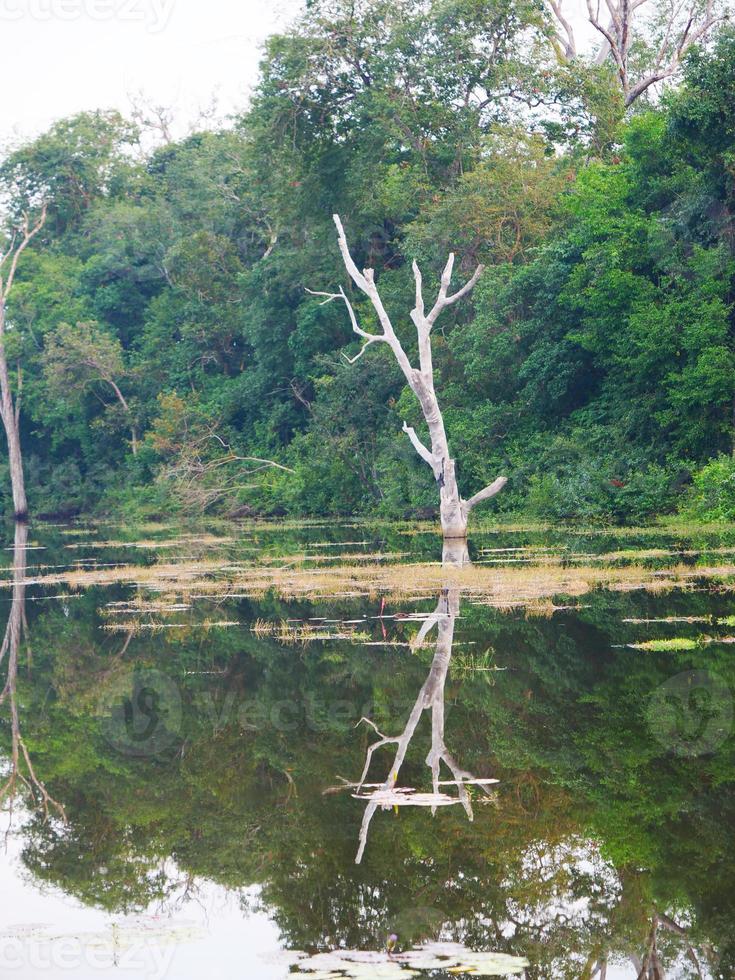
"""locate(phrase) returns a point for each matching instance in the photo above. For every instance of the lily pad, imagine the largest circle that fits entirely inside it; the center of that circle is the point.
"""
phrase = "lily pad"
(370, 965)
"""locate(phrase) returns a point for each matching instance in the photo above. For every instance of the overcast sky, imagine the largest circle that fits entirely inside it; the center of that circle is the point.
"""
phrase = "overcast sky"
(63, 56)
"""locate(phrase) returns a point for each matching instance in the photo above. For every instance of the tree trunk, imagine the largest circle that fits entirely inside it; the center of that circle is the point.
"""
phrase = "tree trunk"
(451, 512)
(9, 407)
(133, 431)
(9, 417)
(430, 699)
(15, 459)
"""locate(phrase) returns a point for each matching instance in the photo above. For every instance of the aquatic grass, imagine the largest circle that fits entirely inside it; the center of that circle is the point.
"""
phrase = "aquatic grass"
(498, 586)
(288, 633)
(670, 645)
(677, 643)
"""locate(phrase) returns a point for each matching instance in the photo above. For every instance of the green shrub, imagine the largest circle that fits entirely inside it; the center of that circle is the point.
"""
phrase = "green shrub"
(712, 498)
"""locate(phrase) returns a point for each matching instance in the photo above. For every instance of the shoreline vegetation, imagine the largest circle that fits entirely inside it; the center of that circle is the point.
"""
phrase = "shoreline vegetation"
(169, 344)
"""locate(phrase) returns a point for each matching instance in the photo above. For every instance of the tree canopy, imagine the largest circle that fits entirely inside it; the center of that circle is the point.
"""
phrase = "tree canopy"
(593, 365)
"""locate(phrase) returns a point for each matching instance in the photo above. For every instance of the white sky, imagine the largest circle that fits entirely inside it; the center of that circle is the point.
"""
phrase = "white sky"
(64, 56)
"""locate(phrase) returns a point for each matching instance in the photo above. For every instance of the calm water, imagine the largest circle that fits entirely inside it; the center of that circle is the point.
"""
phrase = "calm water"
(194, 806)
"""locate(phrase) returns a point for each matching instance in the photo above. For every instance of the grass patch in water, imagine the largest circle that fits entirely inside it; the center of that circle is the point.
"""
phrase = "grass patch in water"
(672, 645)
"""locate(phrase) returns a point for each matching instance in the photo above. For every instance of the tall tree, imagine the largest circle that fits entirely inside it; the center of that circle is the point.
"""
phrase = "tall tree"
(75, 358)
(10, 405)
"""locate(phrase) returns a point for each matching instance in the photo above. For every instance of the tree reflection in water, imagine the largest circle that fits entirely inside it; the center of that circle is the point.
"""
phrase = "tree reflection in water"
(604, 848)
(430, 698)
(20, 767)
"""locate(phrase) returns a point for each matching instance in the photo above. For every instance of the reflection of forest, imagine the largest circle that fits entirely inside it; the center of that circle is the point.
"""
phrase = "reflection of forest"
(600, 845)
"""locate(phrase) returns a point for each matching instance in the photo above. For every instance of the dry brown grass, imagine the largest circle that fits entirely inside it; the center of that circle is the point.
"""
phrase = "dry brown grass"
(288, 633)
(505, 586)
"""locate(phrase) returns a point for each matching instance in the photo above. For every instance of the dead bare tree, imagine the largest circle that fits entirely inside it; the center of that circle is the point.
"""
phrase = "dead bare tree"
(197, 462)
(9, 406)
(430, 698)
(454, 510)
(21, 770)
(674, 27)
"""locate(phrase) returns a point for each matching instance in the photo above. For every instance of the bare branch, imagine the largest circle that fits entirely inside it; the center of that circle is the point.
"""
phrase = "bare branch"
(419, 309)
(355, 325)
(352, 360)
(28, 234)
(567, 40)
(365, 281)
(443, 300)
(370, 338)
(495, 487)
(357, 277)
(426, 627)
(420, 448)
(619, 35)
(266, 462)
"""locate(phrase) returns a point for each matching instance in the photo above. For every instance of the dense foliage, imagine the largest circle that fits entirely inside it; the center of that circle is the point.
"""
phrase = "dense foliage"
(165, 336)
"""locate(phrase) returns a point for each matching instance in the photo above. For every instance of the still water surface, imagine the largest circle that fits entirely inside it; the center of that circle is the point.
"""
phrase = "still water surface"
(240, 748)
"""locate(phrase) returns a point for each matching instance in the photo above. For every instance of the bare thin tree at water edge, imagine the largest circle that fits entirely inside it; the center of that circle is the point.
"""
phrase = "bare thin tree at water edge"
(453, 509)
(10, 406)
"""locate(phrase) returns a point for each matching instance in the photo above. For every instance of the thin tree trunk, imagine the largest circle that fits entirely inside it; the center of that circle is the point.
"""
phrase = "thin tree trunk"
(10, 423)
(9, 408)
(22, 772)
(126, 407)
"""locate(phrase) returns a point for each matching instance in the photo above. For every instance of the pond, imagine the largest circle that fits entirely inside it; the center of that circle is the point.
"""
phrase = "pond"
(319, 751)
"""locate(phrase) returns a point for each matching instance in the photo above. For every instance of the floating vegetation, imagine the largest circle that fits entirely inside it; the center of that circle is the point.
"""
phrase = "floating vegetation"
(140, 605)
(288, 632)
(366, 965)
(665, 646)
(674, 619)
(680, 643)
(501, 587)
(118, 936)
(134, 626)
(146, 544)
(386, 798)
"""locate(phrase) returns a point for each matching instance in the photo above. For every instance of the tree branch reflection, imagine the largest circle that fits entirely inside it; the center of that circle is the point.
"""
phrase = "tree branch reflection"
(21, 771)
(388, 794)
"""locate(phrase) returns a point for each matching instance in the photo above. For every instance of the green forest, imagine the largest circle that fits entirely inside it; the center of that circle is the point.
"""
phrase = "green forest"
(165, 354)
